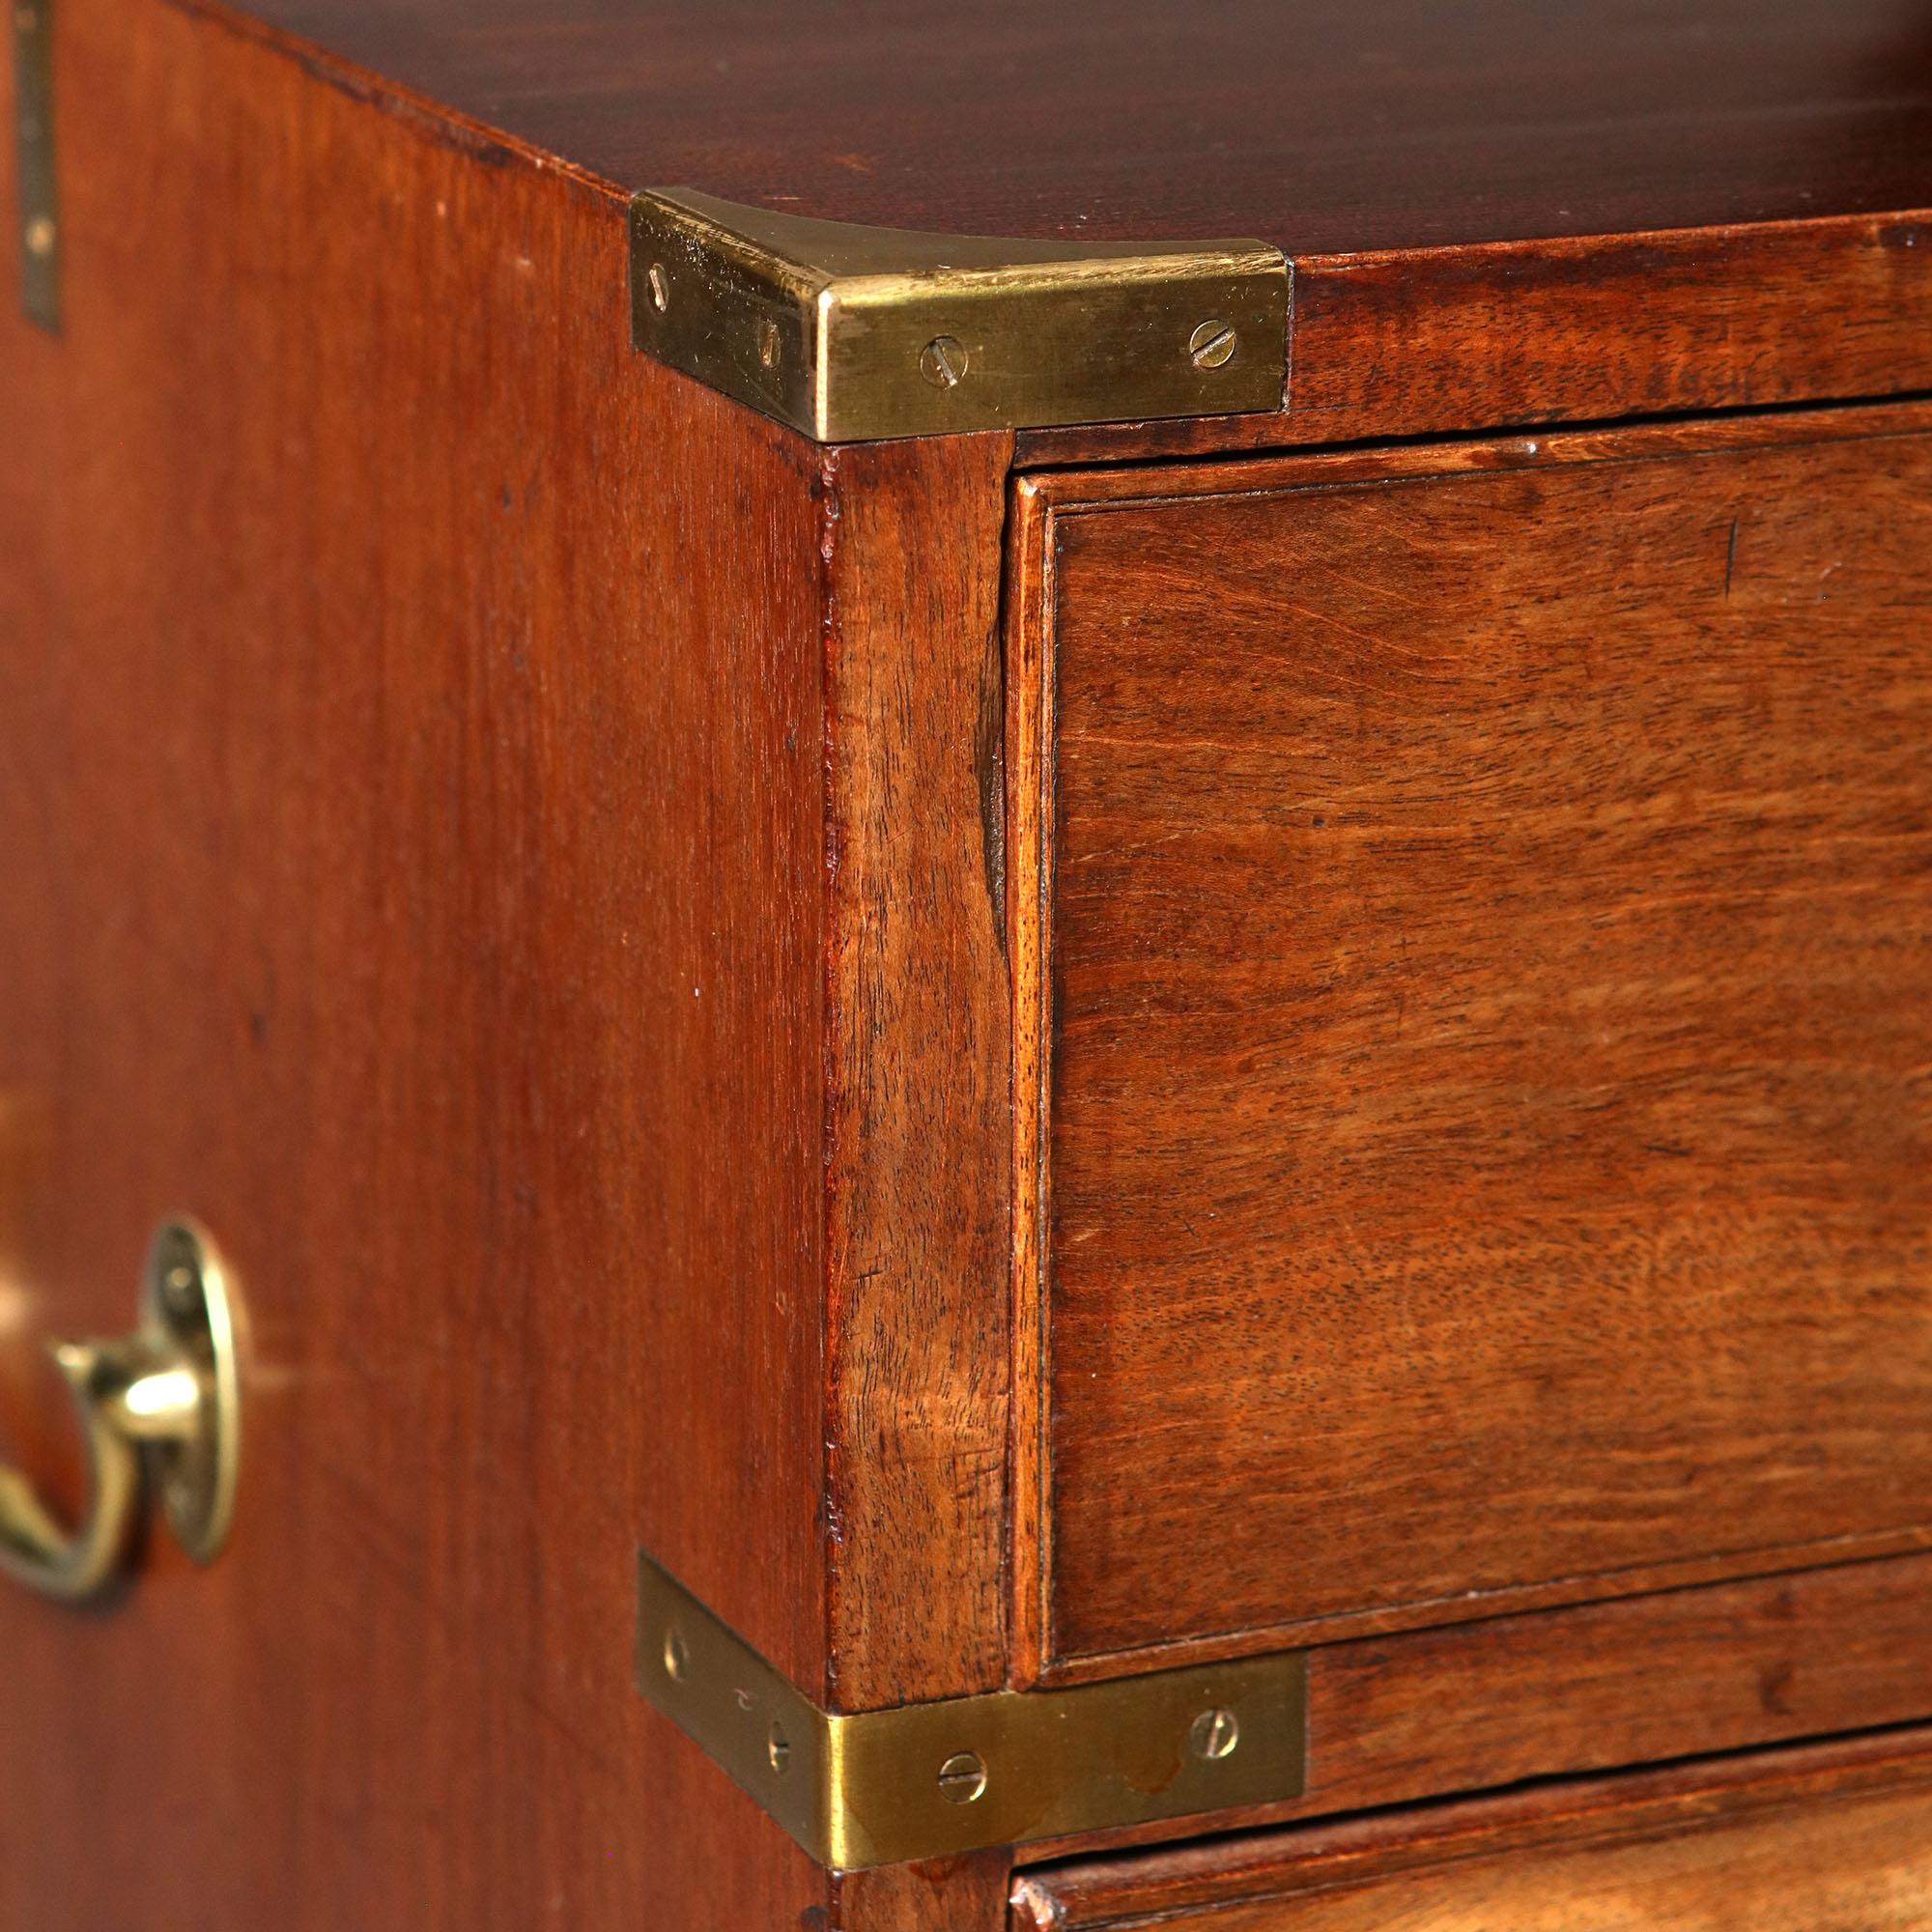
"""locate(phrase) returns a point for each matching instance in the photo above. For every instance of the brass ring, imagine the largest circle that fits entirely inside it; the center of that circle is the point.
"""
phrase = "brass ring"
(166, 1398)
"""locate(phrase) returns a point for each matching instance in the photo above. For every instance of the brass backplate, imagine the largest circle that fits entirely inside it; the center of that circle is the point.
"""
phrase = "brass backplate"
(851, 333)
(34, 129)
(1007, 1768)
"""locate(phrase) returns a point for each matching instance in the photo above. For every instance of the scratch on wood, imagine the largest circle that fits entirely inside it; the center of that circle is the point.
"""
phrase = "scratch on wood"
(1730, 556)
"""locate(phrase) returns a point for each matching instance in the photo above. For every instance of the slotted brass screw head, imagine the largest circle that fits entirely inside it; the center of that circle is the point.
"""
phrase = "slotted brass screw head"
(962, 1777)
(1211, 345)
(943, 361)
(1214, 1734)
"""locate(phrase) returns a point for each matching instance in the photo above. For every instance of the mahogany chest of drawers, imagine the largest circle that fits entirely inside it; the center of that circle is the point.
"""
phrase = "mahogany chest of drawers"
(992, 1083)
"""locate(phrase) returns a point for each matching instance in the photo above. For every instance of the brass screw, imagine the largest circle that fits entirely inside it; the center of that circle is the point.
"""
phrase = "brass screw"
(943, 361)
(778, 1747)
(179, 1288)
(677, 1657)
(40, 236)
(660, 288)
(768, 343)
(1210, 345)
(1214, 1734)
(962, 1777)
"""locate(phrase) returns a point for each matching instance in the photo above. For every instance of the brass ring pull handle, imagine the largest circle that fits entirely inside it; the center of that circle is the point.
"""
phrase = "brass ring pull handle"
(164, 1401)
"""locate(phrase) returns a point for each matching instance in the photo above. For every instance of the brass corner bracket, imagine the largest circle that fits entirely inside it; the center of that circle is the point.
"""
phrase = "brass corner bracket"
(851, 333)
(34, 167)
(1004, 1768)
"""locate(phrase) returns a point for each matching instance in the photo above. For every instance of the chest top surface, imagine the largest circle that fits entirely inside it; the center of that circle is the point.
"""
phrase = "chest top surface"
(1323, 127)
(1273, 224)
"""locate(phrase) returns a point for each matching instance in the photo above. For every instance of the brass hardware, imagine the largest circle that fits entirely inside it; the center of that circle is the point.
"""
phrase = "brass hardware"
(1009, 1766)
(962, 1778)
(944, 362)
(1212, 343)
(33, 131)
(166, 1399)
(853, 334)
(1214, 1733)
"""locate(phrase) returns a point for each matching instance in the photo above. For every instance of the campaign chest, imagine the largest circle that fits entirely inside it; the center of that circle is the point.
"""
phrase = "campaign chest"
(1022, 925)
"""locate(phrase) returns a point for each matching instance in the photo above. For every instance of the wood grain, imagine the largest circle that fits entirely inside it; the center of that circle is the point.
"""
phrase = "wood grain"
(1495, 215)
(408, 846)
(427, 856)
(919, 1057)
(1410, 341)
(1600, 1686)
(1487, 1144)
(1357, 124)
(1833, 1837)
(962, 1895)
(1723, 318)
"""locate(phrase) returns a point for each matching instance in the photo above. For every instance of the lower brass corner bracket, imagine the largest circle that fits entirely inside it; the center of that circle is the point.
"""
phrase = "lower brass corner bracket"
(1009, 1766)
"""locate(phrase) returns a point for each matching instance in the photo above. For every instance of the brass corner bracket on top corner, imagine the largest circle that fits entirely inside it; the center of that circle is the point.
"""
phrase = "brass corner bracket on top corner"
(851, 335)
(1003, 1767)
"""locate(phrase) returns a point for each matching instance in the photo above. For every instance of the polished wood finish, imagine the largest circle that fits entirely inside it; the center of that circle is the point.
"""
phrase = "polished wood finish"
(1398, 343)
(406, 848)
(438, 859)
(1821, 1839)
(550, 866)
(1495, 215)
(918, 1057)
(1486, 1157)
(962, 1895)
(1355, 125)
(1470, 1707)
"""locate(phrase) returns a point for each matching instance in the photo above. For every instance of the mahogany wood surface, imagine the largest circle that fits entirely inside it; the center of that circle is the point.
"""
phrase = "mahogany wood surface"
(1596, 1686)
(1507, 213)
(917, 1143)
(1486, 1133)
(543, 936)
(1400, 343)
(540, 859)
(959, 1894)
(1333, 127)
(1833, 1837)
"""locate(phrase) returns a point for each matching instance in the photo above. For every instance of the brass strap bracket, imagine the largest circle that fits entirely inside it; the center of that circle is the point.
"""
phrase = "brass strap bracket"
(851, 333)
(1009, 1766)
(34, 134)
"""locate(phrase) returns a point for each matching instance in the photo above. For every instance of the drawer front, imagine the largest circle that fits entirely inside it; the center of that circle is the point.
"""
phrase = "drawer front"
(1832, 1839)
(1480, 1077)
